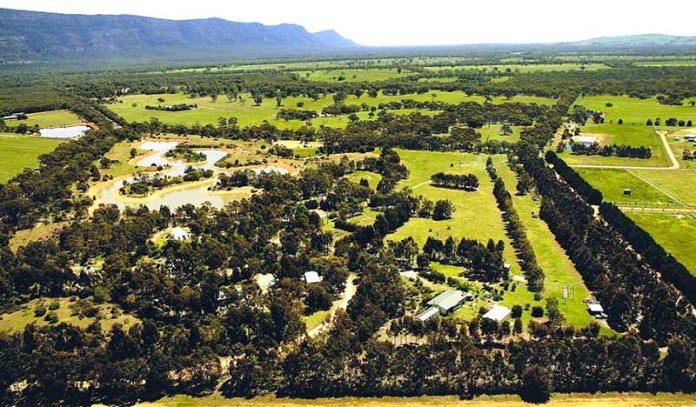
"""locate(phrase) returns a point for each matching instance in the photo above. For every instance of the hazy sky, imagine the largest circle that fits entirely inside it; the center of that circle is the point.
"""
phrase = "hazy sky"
(422, 22)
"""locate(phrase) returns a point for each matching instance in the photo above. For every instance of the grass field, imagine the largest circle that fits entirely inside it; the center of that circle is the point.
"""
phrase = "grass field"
(371, 177)
(40, 231)
(559, 270)
(567, 400)
(673, 232)
(53, 118)
(679, 184)
(18, 152)
(132, 107)
(626, 134)
(353, 75)
(106, 314)
(523, 68)
(492, 132)
(636, 111)
(612, 182)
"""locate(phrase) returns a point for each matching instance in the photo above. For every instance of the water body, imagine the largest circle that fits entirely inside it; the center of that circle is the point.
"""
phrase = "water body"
(65, 132)
(196, 194)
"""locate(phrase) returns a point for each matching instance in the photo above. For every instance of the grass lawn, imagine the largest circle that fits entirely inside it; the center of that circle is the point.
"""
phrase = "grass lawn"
(626, 134)
(316, 319)
(366, 218)
(567, 400)
(673, 232)
(636, 111)
(492, 132)
(372, 178)
(559, 270)
(132, 107)
(18, 152)
(678, 146)
(53, 118)
(107, 314)
(612, 182)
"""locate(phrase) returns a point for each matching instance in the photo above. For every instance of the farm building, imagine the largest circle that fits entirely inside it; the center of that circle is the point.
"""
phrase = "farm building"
(428, 313)
(13, 116)
(585, 140)
(690, 137)
(449, 301)
(312, 277)
(180, 234)
(596, 309)
(497, 313)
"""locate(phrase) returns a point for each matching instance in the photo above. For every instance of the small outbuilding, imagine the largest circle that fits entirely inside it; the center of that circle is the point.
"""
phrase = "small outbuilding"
(690, 137)
(312, 277)
(497, 313)
(595, 309)
(428, 313)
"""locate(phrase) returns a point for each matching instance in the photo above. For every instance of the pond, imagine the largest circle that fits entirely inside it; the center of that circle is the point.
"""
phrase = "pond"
(195, 193)
(65, 132)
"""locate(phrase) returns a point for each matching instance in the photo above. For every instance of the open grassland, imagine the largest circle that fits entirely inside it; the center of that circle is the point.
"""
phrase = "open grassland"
(132, 107)
(674, 232)
(559, 270)
(522, 68)
(80, 314)
(371, 177)
(18, 152)
(676, 62)
(353, 75)
(53, 118)
(40, 231)
(612, 182)
(492, 132)
(566, 400)
(626, 134)
(636, 111)
(678, 184)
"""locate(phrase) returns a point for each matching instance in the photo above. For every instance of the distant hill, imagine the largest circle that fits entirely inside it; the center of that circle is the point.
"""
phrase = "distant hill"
(638, 41)
(38, 36)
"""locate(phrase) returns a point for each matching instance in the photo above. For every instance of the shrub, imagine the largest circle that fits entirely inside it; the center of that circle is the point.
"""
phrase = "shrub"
(39, 311)
(54, 306)
(537, 311)
(51, 318)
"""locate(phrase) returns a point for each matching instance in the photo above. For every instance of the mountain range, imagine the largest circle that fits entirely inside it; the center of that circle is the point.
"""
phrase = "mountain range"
(35, 37)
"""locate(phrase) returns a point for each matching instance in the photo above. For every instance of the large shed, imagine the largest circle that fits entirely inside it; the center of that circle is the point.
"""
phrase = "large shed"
(449, 301)
(497, 313)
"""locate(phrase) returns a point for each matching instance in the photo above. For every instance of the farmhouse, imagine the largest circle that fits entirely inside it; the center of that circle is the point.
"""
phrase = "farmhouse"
(690, 137)
(312, 277)
(497, 313)
(585, 140)
(449, 301)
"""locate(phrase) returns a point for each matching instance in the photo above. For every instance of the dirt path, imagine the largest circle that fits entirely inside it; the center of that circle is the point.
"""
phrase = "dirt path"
(341, 303)
(668, 150)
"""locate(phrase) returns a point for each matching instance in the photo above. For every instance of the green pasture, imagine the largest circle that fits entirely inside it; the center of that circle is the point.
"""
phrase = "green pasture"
(18, 152)
(522, 68)
(612, 182)
(371, 177)
(53, 118)
(636, 111)
(353, 75)
(674, 232)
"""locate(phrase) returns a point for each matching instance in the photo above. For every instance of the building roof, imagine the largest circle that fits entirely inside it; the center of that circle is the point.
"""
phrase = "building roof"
(595, 308)
(312, 277)
(429, 313)
(448, 299)
(584, 139)
(497, 313)
(179, 233)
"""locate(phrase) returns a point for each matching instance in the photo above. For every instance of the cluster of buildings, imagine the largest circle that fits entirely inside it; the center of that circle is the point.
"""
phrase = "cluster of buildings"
(451, 300)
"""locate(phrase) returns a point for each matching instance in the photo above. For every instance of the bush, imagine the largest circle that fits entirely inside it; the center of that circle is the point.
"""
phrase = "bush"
(39, 311)
(516, 311)
(51, 318)
(54, 306)
(537, 311)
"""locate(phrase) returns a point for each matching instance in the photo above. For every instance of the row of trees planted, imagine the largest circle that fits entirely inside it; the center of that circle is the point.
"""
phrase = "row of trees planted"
(467, 182)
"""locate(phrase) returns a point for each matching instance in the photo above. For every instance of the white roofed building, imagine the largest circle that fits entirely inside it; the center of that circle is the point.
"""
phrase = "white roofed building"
(179, 233)
(497, 313)
(428, 313)
(449, 300)
(312, 277)
(584, 140)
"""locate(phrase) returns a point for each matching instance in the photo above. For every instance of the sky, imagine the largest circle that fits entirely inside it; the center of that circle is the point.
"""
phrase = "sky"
(422, 22)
